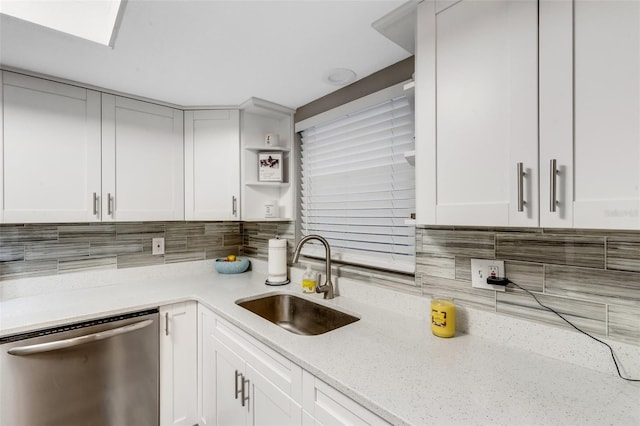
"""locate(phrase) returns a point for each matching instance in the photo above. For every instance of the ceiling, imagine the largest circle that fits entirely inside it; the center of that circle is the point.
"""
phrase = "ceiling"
(214, 52)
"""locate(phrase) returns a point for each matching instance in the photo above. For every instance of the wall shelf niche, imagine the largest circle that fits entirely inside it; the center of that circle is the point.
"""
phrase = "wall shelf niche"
(257, 119)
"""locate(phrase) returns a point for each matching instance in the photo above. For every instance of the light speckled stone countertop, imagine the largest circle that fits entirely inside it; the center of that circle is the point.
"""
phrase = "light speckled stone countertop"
(388, 361)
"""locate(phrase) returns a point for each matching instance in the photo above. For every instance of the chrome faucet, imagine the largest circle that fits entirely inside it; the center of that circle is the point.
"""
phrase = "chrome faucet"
(327, 287)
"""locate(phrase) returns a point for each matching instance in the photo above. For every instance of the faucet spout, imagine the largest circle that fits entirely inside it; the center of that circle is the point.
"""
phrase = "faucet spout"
(327, 287)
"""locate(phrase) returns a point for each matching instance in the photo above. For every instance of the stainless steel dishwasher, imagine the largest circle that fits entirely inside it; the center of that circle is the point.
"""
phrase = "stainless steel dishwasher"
(100, 373)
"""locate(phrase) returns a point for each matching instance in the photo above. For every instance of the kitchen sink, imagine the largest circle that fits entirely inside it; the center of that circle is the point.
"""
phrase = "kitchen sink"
(296, 314)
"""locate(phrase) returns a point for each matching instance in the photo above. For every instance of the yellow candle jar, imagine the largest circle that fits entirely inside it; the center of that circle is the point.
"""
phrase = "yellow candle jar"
(443, 317)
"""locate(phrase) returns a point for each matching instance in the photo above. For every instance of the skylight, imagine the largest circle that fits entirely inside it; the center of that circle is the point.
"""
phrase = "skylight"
(93, 20)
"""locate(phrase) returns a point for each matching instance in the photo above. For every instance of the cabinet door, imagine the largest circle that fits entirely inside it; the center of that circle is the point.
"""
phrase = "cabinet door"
(142, 151)
(231, 387)
(483, 95)
(212, 165)
(556, 113)
(269, 405)
(607, 114)
(178, 364)
(49, 151)
(206, 367)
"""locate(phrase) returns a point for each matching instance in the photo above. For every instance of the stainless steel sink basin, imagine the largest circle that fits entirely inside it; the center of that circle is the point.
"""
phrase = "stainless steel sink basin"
(297, 315)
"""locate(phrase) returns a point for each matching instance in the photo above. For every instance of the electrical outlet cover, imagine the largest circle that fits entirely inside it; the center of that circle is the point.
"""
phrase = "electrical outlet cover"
(483, 268)
(157, 246)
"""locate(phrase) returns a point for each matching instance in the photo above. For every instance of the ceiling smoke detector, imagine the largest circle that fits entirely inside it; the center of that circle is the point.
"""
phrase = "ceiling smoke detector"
(340, 76)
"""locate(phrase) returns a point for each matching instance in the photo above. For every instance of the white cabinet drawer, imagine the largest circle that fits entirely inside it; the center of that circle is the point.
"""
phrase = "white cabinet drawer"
(327, 406)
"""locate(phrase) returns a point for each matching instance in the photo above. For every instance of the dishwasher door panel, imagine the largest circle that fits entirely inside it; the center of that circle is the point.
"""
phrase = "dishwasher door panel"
(108, 382)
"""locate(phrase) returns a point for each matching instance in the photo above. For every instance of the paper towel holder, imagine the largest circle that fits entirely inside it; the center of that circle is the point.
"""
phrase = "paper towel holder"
(272, 279)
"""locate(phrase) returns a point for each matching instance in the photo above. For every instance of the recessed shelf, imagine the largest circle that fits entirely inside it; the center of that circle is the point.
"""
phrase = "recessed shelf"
(267, 148)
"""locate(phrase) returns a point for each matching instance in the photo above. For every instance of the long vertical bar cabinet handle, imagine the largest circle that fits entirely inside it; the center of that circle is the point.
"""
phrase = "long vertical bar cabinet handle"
(553, 181)
(521, 174)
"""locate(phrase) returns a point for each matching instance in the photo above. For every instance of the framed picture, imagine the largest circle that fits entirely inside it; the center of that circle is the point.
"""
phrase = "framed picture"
(270, 166)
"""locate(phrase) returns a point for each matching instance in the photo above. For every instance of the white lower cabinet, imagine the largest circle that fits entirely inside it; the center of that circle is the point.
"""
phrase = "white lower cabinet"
(243, 382)
(324, 405)
(178, 364)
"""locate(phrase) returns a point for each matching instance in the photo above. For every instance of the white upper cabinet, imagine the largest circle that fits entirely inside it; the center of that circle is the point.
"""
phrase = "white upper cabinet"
(49, 151)
(477, 109)
(212, 165)
(593, 131)
(142, 154)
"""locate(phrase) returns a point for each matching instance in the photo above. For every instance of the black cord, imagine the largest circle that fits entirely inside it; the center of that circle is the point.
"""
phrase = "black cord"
(613, 356)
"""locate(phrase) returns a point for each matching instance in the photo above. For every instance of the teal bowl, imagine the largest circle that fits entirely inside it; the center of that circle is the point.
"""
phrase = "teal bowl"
(236, 267)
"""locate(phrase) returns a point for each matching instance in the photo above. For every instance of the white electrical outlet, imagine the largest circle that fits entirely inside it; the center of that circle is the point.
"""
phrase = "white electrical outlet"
(157, 245)
(481, 269)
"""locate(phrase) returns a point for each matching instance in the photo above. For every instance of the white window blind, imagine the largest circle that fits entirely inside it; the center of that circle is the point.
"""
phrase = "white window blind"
(358, 189)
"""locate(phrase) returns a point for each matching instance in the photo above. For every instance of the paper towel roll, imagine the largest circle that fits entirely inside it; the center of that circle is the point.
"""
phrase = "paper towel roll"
(277, 262)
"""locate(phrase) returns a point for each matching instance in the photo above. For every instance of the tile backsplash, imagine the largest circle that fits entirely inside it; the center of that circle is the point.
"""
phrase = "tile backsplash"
(49, 249)
(591, 277)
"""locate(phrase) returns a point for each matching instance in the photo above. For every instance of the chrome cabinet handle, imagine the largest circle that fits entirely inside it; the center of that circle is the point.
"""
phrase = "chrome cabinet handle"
(75, 341)
(234, 206)
(245, 398)
(521, 174)
(553, 180)
(166, 323)
(109, 204)
(95, 204)
(238, 375)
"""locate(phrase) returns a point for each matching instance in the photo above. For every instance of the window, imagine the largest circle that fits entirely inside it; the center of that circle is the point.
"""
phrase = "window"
(358, 190)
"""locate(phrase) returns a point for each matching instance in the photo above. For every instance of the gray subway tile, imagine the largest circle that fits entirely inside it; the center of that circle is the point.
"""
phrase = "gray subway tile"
(180, 229)
(31, 268)
(175, 244)
(623, 254)
(231, 240)
(11, 252)
(616, 287)
(55, 250)
(463, 268)
(27, 233)
(624, 323)
(140, 231)
(87, 264)
(187, 256)
(459, 243)
(527, 275)
(115, 248)
(205, 242)
(93, 232)
(436, 266)
(136, 260)
(222, 228)
(555, 249)
(588, 316)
